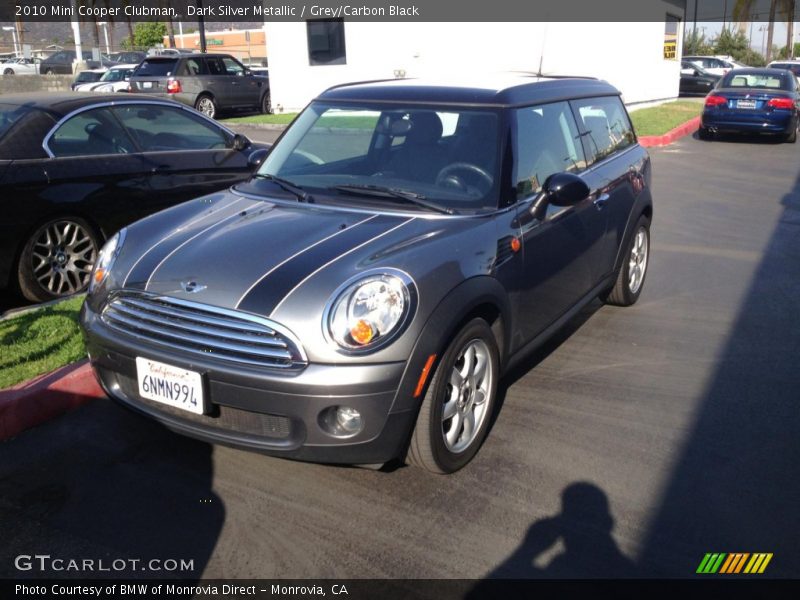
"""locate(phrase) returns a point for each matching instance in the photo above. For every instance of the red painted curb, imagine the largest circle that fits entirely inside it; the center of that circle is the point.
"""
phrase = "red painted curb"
(33, 402)
(665, 140)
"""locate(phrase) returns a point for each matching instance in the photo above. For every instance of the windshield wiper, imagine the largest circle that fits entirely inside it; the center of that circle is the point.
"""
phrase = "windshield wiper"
(387, 192)
(292, 188)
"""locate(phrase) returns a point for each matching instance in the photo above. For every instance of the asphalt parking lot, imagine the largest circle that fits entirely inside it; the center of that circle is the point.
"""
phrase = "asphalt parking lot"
(669, 429)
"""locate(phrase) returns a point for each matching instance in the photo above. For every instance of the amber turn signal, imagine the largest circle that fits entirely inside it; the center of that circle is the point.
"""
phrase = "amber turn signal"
(515, 244)
(362, 332)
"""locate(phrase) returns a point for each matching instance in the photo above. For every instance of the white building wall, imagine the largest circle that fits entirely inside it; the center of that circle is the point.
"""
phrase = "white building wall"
(627, 55)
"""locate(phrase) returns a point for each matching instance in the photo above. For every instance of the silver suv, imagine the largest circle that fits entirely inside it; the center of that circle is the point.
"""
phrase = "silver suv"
(207, 82)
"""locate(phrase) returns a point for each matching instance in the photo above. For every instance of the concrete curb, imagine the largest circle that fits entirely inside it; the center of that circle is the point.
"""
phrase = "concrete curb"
(33, 402)
(680, 131)
(270, 126)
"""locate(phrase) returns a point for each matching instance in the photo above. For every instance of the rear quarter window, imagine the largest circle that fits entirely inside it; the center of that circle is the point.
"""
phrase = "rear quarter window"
(605, 126)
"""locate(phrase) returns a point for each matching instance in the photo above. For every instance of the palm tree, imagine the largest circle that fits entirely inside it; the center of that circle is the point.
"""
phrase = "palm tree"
(790, 29)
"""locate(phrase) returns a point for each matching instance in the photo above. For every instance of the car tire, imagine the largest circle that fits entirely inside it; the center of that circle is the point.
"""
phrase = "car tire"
(704, 134)
(206, 105)
(791, 138)
(57, 259)
(630, 279)
(465, 381)
(49, 72)
(8, 72)
(266, 104)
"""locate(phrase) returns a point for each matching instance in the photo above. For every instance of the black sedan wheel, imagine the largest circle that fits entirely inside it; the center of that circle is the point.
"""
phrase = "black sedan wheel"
(206, 105)
(8, 72)
(266, 104)
(58, 260)
(455, 414)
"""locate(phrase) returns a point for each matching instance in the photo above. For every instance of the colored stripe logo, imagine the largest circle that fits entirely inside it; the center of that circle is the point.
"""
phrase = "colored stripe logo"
(734, 563)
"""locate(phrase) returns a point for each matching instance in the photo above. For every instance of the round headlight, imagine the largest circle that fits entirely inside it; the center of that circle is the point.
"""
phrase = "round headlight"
(105, 259)
(369, 311)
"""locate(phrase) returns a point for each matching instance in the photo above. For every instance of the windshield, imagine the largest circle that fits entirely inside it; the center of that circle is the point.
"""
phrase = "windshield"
(156, 67)
(116, 74)
(359, 153)
(10, 114)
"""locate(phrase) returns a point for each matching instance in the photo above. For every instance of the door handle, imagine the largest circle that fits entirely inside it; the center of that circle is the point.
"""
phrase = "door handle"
(601, 200)
(160, 170)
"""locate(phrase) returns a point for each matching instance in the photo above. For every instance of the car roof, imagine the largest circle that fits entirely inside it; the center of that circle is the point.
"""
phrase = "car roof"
(755, 71)
(59, 104)
(514, 89)
(185, 55)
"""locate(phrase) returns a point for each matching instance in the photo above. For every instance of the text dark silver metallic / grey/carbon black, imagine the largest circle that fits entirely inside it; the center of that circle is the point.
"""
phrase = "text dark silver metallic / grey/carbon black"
(402, 245)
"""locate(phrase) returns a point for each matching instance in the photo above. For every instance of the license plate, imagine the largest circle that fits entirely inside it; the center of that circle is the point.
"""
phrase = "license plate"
(147, 84)
(746, 104)
(170, 385)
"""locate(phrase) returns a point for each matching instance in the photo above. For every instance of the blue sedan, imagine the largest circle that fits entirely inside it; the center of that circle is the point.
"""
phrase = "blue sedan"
(753, 101)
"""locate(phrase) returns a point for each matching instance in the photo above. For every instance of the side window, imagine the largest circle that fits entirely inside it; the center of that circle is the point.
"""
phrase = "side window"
(90, 133)
(193, 66)
(546, 142)
(232, 67)
(163, 128)
(215, 66)
(605, 126)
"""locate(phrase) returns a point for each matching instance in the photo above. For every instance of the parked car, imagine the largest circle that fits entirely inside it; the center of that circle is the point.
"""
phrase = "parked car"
(696, 80)
(789, 65)
(76, 168)
(62, 63)
(128, 57)
(753, 101)
(208, 82)
(403, 244)
(20, 66)
(113, 80)
(87, 77)
(712, 64)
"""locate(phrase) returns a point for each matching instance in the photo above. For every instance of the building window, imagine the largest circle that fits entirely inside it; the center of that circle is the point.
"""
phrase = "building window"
(326, 43)
(671, 26)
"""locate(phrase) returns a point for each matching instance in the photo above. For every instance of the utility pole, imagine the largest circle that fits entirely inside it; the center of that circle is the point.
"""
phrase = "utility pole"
(202, 23)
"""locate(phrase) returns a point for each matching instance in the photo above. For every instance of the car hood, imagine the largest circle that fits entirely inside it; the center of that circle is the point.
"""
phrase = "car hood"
(250, 254)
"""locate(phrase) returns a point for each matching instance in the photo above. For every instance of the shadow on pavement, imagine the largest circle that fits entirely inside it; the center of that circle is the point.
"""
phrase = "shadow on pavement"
(115, 487)
(581, 537)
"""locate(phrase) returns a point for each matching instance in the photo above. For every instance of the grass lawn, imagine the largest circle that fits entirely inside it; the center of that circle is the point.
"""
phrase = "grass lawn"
(277, 119)
(40, 341)
(658, 120)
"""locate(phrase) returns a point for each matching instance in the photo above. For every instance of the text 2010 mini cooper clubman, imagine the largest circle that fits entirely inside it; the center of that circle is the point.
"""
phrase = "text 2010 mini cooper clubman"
(401, 245)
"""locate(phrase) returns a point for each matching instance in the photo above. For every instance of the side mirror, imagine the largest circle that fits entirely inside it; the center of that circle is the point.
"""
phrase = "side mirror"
(565, 189)
(256, 158)
(240, 142)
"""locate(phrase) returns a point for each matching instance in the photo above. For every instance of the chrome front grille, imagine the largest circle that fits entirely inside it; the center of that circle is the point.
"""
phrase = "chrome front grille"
(210, 331)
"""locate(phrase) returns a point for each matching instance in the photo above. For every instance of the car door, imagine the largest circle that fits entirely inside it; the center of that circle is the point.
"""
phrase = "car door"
(556, 241)
(221, 84)
(615, 171)
(186, 155)
(246, 87)
(94, 171)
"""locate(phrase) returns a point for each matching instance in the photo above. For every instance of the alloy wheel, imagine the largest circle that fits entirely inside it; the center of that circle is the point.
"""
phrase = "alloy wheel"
(465, 400)
(637, 263)
(63, 257)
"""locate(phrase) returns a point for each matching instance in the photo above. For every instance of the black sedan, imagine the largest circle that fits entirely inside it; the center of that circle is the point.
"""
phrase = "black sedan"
(76, 168)
(753, 101)
(696, 80)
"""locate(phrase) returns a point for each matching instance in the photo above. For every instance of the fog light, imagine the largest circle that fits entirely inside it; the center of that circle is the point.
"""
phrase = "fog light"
(341, 421)
(349, 419)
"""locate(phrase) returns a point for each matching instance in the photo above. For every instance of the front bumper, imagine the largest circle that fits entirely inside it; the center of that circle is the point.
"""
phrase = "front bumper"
(265, 410)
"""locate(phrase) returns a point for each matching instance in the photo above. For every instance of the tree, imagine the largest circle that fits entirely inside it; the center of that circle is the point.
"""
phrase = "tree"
(737, 46)
(146, 34)
(695, 43)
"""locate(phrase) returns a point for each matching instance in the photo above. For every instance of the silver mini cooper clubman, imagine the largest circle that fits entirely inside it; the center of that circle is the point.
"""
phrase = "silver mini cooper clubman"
(400, 247)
